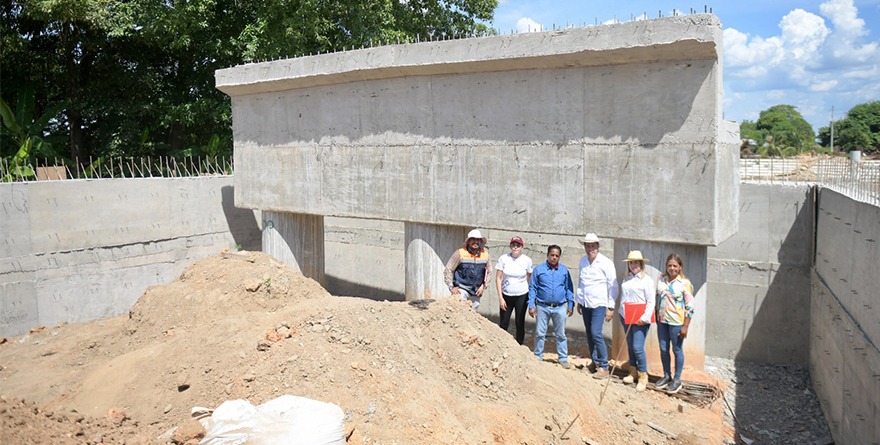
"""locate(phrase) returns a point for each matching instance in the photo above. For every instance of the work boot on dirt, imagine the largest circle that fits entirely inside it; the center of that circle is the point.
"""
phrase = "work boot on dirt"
(601, 373)
(565, 365)
(633, 373)
(643, 382)
(663, 383)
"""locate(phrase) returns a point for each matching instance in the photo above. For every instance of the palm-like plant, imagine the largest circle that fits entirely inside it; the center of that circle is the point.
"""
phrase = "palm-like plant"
(772, 149)
(22, 138)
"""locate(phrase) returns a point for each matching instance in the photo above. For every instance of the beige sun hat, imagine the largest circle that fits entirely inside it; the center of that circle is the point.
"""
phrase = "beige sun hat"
(591, 238)
(635, 255)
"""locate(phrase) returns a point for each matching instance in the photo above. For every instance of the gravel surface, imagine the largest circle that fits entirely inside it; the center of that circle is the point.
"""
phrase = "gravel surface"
(773, 404)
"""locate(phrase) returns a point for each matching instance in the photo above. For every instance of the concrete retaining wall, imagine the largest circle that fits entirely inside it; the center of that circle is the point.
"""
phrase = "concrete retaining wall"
(758, 280)
(759, 289)
(85, 249)
(845, 317)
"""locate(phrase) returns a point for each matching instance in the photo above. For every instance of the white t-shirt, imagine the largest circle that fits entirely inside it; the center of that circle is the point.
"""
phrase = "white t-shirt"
(513, 274)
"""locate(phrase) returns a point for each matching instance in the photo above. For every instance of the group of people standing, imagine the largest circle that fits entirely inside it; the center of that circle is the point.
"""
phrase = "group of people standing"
(547, 293)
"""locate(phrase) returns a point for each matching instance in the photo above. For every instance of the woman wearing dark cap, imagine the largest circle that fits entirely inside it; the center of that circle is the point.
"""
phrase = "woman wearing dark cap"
(514, 270)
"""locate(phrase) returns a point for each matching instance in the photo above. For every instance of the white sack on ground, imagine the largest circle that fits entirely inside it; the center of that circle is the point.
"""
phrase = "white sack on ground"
(286, 419)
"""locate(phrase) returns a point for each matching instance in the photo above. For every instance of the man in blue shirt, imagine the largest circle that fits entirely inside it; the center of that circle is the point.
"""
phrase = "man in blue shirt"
(551, 297)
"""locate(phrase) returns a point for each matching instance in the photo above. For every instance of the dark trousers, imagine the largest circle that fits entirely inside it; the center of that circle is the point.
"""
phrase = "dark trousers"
(520, 303)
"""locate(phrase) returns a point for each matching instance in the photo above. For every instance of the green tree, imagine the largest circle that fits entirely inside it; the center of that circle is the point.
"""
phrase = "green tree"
(867, 115)
(851, 134)
(787, 127)
(859, 130)
(749, 130)
(138, 75)
(824, 136)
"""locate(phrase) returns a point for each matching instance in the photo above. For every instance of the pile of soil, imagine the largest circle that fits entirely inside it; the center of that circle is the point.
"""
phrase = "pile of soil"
(24, 422)
(246, 326)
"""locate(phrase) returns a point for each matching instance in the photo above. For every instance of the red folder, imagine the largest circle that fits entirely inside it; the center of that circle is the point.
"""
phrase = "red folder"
(633, 313)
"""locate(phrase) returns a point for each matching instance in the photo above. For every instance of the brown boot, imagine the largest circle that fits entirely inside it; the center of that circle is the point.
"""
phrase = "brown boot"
(633, 373)
(643, 382)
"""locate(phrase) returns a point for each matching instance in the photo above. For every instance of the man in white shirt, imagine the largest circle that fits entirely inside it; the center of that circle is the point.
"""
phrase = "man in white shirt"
(595, 297)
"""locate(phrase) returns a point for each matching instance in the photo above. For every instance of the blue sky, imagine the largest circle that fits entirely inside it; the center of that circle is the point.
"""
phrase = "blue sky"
(810, 54)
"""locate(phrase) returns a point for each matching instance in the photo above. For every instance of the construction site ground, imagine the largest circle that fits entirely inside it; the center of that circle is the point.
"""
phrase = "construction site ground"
(243, 325)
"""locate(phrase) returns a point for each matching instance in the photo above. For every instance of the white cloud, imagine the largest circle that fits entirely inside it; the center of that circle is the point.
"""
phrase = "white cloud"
(816, 60)
(739, 52)
(823, 86)
(526, 24)
(845, 44)
(868, 73)
(802, 33)
(806, 53)
(844, 16)
(811, 112)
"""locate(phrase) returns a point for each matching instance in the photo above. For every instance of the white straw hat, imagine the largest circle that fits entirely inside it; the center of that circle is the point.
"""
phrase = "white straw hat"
(591, 238)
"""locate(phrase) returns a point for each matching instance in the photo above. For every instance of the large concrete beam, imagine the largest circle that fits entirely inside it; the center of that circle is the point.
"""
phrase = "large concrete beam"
(676, 38)
(542, 132)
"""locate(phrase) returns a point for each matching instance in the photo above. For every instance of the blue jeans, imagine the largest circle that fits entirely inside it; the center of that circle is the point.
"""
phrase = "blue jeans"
(668, 333)
(635, 343)
(593, 321)
(542, 319)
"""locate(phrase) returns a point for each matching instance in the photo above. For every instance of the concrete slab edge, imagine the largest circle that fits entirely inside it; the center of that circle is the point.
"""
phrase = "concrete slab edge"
(674, 38)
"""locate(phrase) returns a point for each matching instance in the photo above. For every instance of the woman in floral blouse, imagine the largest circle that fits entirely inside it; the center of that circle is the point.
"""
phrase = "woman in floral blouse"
(675, 295)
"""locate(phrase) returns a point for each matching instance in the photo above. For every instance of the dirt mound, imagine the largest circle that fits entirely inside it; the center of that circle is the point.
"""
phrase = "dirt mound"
(436, 373)
(24, 422)
(216, 288)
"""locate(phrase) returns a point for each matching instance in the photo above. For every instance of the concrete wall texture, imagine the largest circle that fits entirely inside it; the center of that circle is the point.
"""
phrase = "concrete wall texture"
(757, 289)
(759, 278)
(439, 132)
(845, 317)
(80, 250)
(111, 239)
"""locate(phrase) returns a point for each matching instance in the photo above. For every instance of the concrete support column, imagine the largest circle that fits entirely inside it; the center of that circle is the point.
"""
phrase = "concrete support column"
(695, 268)
(296, 240)
(428, 248)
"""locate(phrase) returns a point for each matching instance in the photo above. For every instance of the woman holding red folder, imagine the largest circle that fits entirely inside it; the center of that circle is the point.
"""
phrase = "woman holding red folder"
(676, 294)
(637, 294)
